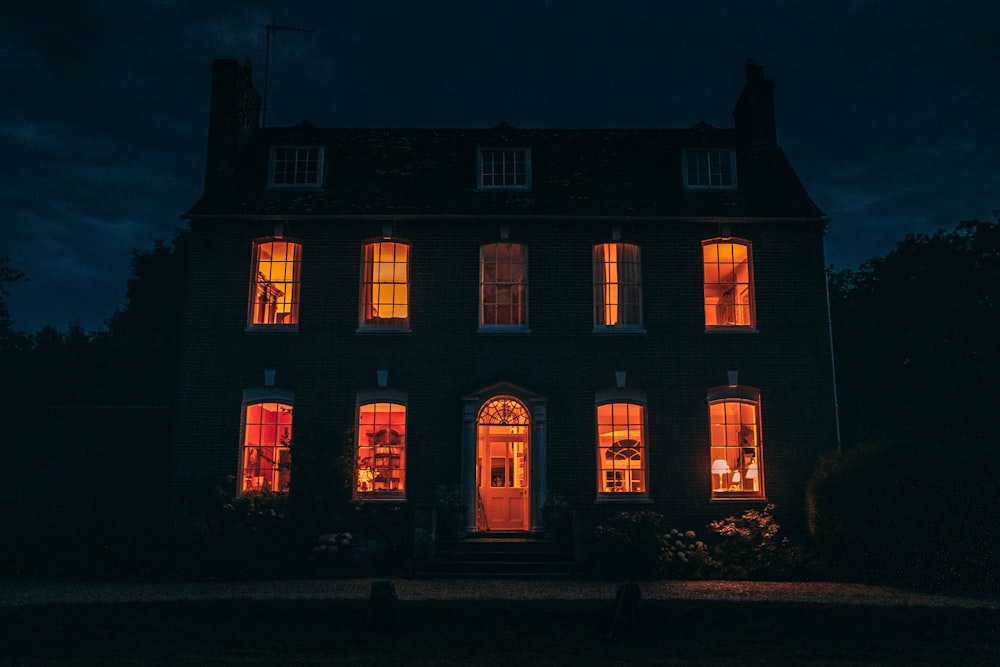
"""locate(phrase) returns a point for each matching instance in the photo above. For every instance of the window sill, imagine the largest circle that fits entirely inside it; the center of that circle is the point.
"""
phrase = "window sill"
(622, 498)
(732, 329)
(272, 328)
(379, 498)
(383, 330)
(611, 331)
(503, 329)
(503, 188)
(738, 495)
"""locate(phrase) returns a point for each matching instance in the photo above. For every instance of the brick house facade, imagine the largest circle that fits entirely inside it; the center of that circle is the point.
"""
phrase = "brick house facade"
(629, 318)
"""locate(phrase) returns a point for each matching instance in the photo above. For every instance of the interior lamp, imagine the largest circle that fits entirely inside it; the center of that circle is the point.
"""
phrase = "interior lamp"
(752, 474)
(720, 468)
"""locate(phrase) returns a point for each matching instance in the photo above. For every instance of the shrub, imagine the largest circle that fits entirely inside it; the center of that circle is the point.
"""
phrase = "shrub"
(900, 512)
(685, 556)
(630, 545)
(748, 547)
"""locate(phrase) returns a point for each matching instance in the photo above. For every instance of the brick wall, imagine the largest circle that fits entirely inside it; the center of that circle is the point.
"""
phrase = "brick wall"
(443, 358)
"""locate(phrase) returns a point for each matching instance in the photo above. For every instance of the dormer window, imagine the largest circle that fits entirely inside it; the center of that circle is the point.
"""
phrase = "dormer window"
(504, 168)
(709, 169)
(296, 167)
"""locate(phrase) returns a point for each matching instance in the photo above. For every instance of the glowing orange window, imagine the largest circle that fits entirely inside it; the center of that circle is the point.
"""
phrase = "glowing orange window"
(736, 467)
(275, 289)
(504, 285)
(381, 449)
(728, 283)
(621, 452)
(266, 456)
(385, 284)
(617, 286)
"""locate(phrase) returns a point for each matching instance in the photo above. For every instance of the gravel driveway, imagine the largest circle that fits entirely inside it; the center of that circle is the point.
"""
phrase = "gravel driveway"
(19, 592)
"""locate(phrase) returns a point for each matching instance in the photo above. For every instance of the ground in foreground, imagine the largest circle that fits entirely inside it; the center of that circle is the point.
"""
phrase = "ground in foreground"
(659, 632)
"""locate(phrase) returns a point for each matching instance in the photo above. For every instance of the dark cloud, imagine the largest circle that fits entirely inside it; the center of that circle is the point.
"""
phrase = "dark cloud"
(888, 110)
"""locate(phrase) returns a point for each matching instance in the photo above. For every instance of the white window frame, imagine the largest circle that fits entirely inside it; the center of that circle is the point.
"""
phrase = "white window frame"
(623, 284)
(316, 181)
(727, 474)
(369, 282)
(623, 396)
(294, 283)
(713, 168)
(518, 327)
(370, 397)
(259, 396)
(482, 172)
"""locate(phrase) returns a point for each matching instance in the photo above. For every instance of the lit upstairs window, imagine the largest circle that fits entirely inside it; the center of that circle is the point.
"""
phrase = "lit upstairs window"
(266, 454)
(709, 169)
(503, 286)
(504, 168)
(728, 269)
(274, 293)
(737, 467)
(617, 287)
(296, 167)
(385, 285)
(621, 450)
(381, 450)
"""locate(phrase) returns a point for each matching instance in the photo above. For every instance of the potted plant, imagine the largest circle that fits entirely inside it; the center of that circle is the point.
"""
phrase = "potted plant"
(450, 513)
(555, 512)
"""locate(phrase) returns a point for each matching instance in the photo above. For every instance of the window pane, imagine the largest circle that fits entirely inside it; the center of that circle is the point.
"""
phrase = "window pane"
(385, 284)
(381, 448)
(276, 282)
(728, 287)
(620, 449)
(503, 288)
(735, 448)
(266, 460)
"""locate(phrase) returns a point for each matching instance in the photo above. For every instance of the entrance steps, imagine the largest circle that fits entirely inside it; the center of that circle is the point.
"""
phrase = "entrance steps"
(506, 556)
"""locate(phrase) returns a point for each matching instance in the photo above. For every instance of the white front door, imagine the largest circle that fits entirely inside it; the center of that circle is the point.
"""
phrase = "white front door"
(503, 477)
(502, 474)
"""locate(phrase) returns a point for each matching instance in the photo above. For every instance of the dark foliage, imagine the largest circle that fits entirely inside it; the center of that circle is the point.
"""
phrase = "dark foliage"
(749, 546)
(915, 338)
(900, 512)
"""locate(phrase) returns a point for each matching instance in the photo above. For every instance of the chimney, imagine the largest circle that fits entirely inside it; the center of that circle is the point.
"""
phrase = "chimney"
(234, 116)
(754, 111)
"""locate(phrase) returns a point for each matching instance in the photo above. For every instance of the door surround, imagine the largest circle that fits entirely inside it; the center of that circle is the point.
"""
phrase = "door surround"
(472, 406)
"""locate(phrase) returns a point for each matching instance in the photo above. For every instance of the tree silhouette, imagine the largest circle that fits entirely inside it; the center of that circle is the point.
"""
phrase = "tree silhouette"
(915, 337)
(8, 274)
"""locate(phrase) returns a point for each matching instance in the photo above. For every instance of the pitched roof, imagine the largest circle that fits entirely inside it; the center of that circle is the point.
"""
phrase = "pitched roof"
(574, 172)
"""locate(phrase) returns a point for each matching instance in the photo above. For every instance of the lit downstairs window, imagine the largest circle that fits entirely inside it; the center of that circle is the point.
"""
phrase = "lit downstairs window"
(709, 169)
(728, 268)
(274, 294)
(734, 423)
(504, 168)
(296, 167)
(385, 285)
(503, 286)
(617, 287)
(265, 463)
(381, 458)
(621, 449)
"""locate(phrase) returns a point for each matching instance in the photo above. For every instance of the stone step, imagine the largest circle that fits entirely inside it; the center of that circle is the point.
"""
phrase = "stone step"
(501, 557)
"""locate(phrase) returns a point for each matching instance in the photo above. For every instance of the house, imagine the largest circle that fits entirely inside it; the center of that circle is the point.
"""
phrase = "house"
(629, 318)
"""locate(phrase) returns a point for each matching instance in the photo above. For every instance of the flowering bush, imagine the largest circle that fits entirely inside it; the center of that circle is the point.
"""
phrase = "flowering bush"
(684, 555)
(333, 553)
(748, 547)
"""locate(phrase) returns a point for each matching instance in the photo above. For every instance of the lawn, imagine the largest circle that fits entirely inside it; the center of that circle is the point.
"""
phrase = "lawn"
(502, 633)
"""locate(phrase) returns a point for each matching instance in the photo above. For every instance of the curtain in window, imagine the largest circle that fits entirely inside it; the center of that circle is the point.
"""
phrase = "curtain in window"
(617, 288)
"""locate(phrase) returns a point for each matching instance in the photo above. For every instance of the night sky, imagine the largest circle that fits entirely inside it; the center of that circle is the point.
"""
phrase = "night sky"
(887, 110)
